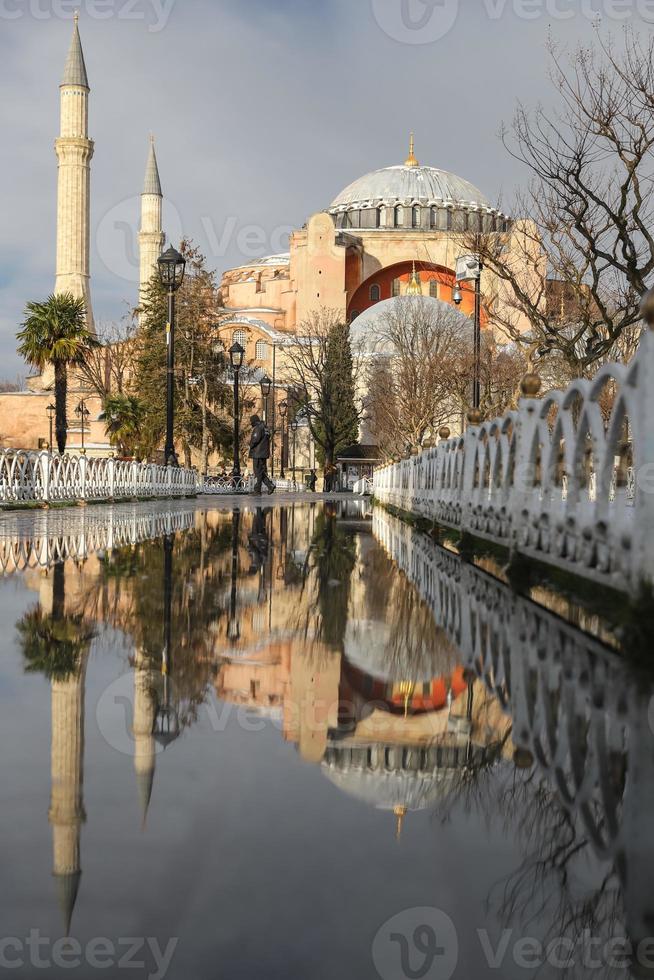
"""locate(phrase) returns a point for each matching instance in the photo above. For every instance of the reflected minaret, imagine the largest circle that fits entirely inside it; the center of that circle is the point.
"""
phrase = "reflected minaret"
(66, 812)
(145, 709)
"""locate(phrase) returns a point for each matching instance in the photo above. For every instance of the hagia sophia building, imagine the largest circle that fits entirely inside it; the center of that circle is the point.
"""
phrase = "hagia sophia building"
(396, 231)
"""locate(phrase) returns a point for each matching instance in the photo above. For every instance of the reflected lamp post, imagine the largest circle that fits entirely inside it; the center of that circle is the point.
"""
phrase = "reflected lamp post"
(171, 275)
(82, 413)
(236, 355)
(51, 409)
(283, 412)
(233, 627)
(166, 723)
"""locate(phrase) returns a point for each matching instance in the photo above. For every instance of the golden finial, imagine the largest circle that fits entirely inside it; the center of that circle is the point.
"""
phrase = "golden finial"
(444, 432)
(406, 690)
(415, 284)
(76, 17)
(400, 813)
(530, 385)
(411, 159)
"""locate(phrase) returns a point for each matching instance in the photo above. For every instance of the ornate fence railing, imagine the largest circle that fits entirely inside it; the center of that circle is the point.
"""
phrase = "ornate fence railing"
(561, 479)
(586, 721)
(48, 478)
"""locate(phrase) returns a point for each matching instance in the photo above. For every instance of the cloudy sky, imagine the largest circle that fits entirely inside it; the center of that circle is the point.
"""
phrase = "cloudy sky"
(263, 110)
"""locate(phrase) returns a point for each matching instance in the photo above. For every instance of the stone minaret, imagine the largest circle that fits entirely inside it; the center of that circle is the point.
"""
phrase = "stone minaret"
(74, 150)
(66, 804)
(145, 709)
(151, 237)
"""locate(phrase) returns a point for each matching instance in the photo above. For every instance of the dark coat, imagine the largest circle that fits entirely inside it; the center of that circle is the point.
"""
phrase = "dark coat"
(260, 442)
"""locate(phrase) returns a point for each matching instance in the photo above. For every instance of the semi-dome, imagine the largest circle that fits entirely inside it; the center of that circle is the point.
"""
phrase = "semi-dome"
(406, 185)
(367, 329)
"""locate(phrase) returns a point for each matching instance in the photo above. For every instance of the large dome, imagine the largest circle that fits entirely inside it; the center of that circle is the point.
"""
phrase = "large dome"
(409, 184)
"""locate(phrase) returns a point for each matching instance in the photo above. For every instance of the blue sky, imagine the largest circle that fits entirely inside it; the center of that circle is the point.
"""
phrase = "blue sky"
(262, 110)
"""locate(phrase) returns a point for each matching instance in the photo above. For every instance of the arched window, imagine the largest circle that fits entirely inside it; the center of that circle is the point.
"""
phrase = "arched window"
(433, 217)
(375, 294)
(240, 337)
(415, 217)
(396, 287)
(399, 216)
(261, 350)
(433, 288)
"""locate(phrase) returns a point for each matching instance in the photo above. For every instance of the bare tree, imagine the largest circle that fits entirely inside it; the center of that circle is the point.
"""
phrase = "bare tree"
(578, 266)
(110, 367)
(417, 351)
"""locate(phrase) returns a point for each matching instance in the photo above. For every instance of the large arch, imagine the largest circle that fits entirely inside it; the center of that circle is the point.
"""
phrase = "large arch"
(379, 286)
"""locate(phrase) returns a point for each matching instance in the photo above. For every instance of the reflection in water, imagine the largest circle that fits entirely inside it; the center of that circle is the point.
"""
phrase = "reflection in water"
(414, 681)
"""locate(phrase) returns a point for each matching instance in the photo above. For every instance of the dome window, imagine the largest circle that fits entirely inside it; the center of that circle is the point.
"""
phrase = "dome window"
(399, 216)
(415, 217)
(261, 350)
(375, 294)
(240, 337)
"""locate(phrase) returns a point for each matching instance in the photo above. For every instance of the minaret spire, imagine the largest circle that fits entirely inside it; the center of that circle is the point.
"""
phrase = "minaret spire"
(74, 151)
(151, 237)
(411, 159)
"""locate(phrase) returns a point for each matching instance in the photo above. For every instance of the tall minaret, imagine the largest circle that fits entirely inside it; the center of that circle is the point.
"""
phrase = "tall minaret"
(151, 237)
(74, 150)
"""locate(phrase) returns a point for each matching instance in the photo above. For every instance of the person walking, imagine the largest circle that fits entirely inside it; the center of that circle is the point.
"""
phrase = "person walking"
(260, 454)
(313, 479)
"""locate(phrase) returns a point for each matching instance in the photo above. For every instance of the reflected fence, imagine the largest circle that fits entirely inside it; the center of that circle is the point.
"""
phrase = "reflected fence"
(53, 536)
(581, 717)
(562, 479)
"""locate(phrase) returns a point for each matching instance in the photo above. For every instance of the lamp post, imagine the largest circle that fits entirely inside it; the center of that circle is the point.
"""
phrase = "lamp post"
(266, 385)
(475, 265)
(236, 355)
(51, 409)
(294, 428)
(283, 412)
(233, 627)
(83, 413)
(171, 274)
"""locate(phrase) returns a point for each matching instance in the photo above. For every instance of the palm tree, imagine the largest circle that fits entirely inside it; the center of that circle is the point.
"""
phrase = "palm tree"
(55, 332)
(124, 415)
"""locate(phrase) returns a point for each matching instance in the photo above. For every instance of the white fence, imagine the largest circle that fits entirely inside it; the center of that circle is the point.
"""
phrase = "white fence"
(48, 478)
(555, 480)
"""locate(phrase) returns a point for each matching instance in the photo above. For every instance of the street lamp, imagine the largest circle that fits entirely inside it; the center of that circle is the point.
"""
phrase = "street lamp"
(236, 355)
(283, 411)
(51, 409)
(171, 274)
(294, 428)
(266, 385)
(166, 727)
(83, 413)
(457, 297)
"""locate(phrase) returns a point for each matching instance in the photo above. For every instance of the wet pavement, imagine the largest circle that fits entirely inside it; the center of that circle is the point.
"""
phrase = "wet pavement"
(302, 740)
